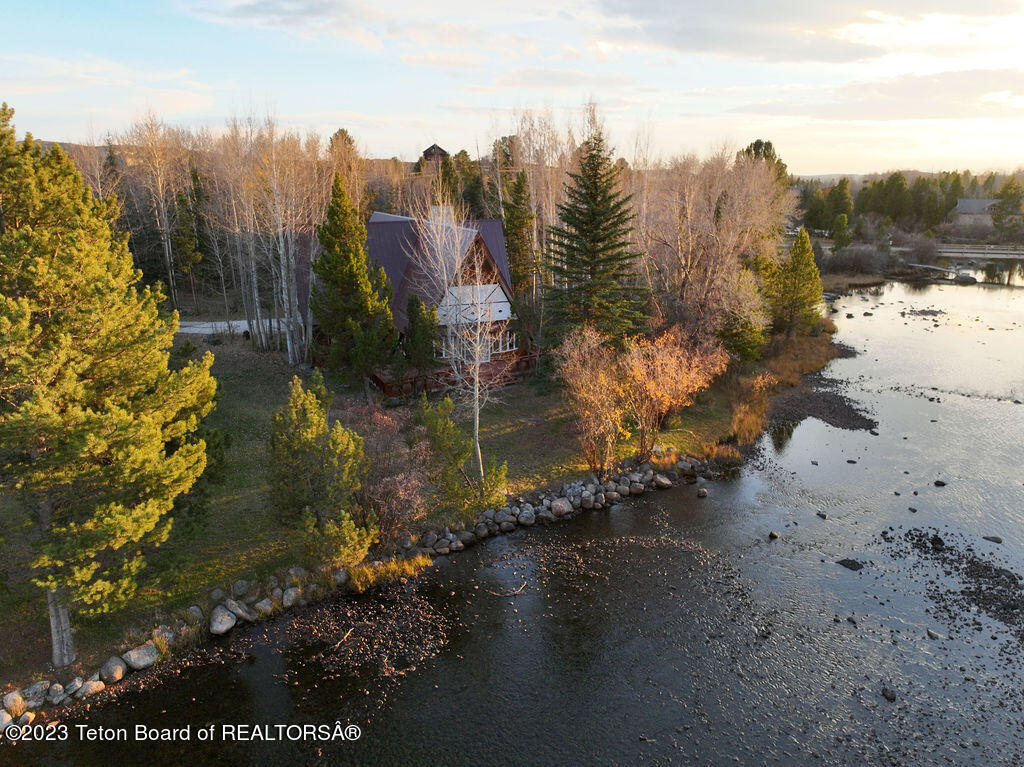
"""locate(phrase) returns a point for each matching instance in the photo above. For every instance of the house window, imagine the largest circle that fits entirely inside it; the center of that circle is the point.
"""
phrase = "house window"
(505, 341)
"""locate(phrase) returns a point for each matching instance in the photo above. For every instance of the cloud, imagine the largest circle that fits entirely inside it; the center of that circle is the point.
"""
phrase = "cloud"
(786, 30)
(946, 95)
(447, 62)
(542, 78)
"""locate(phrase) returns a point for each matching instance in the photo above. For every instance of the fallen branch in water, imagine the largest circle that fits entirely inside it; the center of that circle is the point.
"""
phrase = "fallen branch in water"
(508, 593)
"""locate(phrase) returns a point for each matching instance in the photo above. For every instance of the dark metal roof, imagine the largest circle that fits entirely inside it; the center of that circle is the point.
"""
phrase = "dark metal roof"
(969, 205)
(392, 241)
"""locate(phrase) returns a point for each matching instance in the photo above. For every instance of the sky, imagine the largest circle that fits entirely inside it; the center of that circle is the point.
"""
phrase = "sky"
(852, 87)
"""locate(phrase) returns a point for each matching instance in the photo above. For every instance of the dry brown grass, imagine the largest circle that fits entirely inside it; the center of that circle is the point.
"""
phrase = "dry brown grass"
(787, 361)
(368, 576)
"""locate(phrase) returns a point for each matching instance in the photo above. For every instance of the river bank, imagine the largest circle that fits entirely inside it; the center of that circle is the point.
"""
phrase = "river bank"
(543, 449)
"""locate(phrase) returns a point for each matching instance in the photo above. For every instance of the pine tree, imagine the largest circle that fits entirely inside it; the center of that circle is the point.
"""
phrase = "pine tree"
(522, 261)
(793, 287)
(316, 473)
(420, 335)
(592, 264)
(97, 433)
(352, 300)
(839, 200)
(841, 236)
(185, 241)
(1008, 216)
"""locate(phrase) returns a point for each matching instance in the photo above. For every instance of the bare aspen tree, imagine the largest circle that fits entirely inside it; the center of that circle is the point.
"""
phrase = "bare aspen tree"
(707, 224)
(471, 308)
(155, 157)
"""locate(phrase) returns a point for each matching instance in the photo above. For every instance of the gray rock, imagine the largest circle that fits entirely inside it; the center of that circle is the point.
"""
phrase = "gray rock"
(296, 575)
(456, 546)
(243, 611)
(15, 703)
(467, 538)
(222, 620)
(91, 687)
(272, 583)
(277, 594)
(143, 656)
(5, 719)
(702, 492)
(312, 592)
(612, 496)
(239, 588)
(291, 597)
(662, 482)
(587, 500)
(992, 538)
(71, 688)
(851, 564)
(405, 541)
(636, 488)
(218, 595)
(622, 489)
(195, 613)
(561, 507)
(889, 694)
(546, 514)
(341, 578)
(56, 693)
(35, 694)
(441, 543)
(481, 531)
(773, 535)
(26, 718)
(164, 634)
(428, 540)
(527, 518)
(507, 527)
(113, 670)
(264, 607)
(934, 634)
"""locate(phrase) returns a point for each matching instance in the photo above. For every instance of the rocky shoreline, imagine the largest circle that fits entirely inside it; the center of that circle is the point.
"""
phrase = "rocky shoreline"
(252, 601)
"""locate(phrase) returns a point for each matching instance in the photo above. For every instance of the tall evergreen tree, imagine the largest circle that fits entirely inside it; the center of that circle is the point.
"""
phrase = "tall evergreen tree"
(420, 335)
(97, 433)
(840, 202)
(592, 262)
(351, 300)
(793, 287)
(522, 258)
(1008, 216)
(841, 236)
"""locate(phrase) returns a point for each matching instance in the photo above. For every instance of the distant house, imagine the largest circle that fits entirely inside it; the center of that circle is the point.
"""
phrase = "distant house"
(973, 212)
(479, 294)
(434, 153)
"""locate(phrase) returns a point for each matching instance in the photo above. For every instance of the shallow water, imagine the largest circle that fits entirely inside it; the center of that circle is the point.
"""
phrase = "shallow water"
(675, 632)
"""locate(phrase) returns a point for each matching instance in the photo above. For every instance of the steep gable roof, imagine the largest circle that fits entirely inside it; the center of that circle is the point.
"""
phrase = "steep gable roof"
(393, 241)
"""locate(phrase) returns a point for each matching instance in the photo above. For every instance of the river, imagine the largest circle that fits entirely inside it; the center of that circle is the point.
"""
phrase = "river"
(677, 632)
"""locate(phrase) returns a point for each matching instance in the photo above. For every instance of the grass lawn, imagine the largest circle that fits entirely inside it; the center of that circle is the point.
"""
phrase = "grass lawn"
(241, 537)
